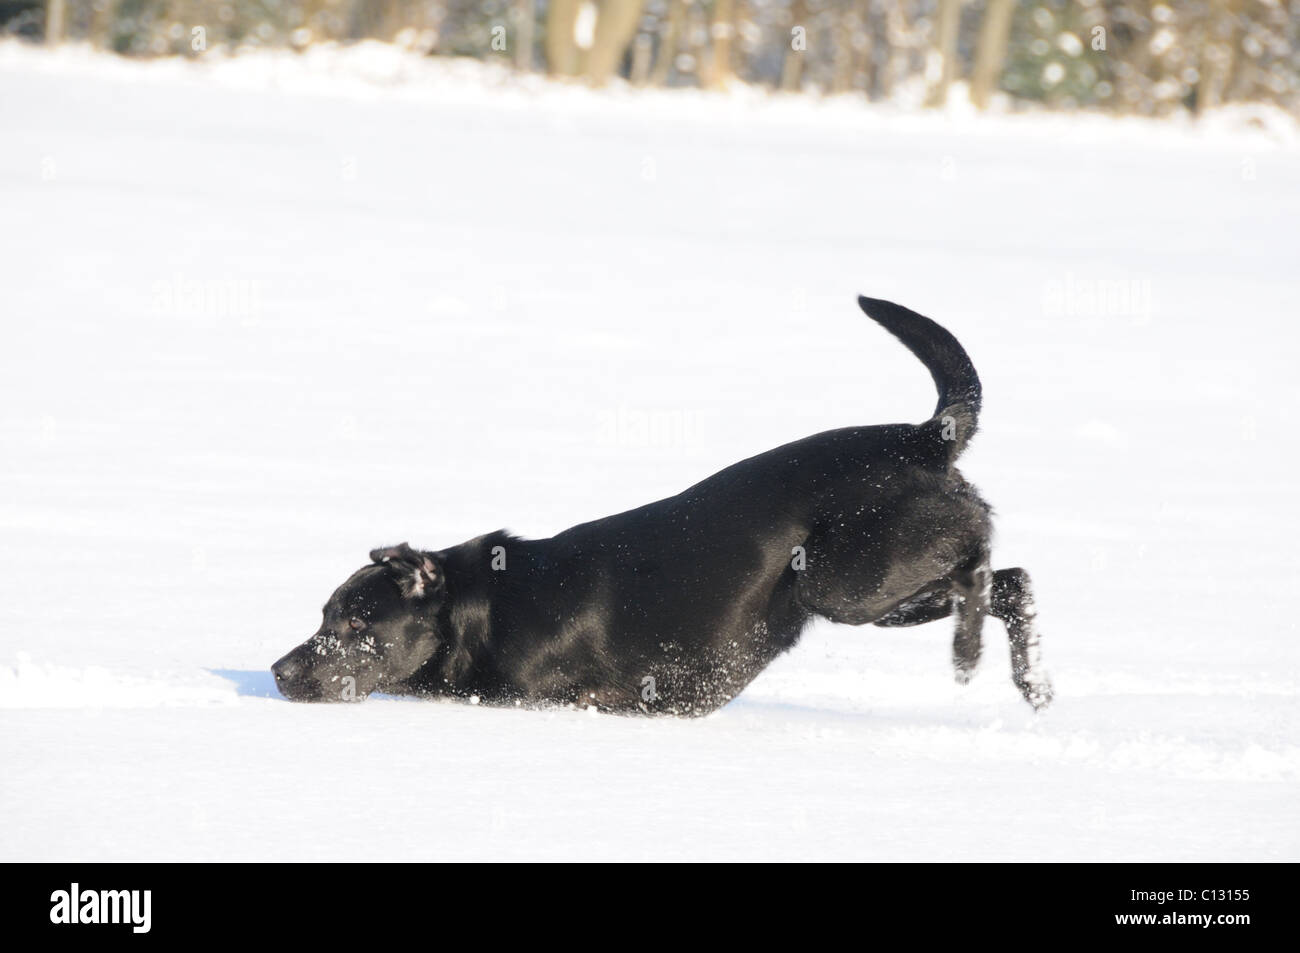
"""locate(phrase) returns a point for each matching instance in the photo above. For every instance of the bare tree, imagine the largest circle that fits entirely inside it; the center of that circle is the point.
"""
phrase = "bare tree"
(642, 50)
(561, 47)
(990, 51)
(615, 26)
(795, 47)
(945, 48)
(847, 29)
(54, 11)
(722, 29)
(525, 12)
(668, 42)
(863, 50)
(899, 33)
(1219, 45)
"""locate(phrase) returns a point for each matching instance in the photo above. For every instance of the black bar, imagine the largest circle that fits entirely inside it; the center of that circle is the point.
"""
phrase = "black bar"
(350, 902)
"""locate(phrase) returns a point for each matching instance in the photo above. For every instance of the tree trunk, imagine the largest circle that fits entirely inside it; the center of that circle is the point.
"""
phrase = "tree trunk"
(615, 27)
(721, 30)
(54, 10)
(561, 48)
(899, 43)
(1217, 55)
(525, 17)
(946, 49)
(991, 51)
(668, 42)
(863, 48)
(642, 50)
(846, 26)
(792, 67)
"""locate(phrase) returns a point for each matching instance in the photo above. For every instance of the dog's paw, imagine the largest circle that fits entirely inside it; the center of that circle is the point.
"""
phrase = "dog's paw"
(965, 660)
(966, 648)
(1038, 692)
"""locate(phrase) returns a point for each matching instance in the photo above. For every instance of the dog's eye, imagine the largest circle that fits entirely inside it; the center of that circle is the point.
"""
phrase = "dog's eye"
(357, 624)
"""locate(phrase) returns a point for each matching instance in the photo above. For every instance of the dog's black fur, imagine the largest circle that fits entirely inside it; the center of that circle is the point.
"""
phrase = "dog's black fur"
(674, 607)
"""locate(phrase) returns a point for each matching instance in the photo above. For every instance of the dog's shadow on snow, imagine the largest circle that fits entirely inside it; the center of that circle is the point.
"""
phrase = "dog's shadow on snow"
(254, 683)
(260, 683)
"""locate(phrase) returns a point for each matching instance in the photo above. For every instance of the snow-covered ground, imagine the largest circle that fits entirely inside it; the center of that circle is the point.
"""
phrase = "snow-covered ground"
(260, 316)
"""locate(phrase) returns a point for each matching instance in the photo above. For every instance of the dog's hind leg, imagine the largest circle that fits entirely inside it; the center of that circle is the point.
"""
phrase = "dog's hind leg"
(965, 594)
(1013, 603)
(972, 589)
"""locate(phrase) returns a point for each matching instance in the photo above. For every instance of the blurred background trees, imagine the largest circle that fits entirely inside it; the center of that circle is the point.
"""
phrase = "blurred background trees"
(1131, 56)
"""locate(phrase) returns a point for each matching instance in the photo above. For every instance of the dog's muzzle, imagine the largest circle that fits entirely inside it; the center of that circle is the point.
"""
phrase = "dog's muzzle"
(294, 681)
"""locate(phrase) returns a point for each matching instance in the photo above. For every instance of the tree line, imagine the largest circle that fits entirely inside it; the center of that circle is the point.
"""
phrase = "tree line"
(1132, 56)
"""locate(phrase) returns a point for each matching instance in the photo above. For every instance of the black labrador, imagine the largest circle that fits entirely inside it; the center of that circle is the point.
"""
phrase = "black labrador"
(674, 607)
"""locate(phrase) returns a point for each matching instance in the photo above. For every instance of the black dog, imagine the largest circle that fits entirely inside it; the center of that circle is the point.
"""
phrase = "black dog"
(675, 607)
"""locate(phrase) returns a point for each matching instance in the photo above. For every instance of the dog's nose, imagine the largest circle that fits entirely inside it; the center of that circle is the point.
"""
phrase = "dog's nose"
(286, 670)
(293, 678)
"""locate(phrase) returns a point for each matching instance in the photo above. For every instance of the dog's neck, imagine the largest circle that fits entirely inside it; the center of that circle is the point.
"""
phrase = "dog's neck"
(477, 575)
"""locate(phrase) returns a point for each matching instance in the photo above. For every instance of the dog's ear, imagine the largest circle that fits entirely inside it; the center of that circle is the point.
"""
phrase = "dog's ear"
(418, 574)
(402, 552)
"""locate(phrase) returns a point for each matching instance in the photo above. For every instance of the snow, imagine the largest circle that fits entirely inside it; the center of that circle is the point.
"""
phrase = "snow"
(265, 313)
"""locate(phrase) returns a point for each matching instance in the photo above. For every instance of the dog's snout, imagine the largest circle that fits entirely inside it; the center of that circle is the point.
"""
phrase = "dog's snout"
(287, 669)
(297, 677)
(292, 678)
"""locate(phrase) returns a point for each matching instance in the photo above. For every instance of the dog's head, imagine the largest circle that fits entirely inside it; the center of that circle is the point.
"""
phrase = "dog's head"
(378, 628)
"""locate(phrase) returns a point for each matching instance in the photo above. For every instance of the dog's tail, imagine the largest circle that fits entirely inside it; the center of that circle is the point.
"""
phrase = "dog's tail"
(957, 414)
